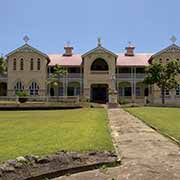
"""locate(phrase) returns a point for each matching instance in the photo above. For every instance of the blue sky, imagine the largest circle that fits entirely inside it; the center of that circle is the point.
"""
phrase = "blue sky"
(148, 24)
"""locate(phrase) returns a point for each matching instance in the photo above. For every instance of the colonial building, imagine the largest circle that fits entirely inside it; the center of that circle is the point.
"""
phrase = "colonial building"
(92, 75)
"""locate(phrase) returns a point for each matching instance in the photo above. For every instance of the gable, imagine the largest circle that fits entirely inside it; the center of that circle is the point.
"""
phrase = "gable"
(27, 48)
(99, 49)
(170, 49)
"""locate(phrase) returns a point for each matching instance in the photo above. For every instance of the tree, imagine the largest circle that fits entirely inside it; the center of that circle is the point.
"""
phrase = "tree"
(57, 73)
(2, 65)
(59, 70)
(164, 76)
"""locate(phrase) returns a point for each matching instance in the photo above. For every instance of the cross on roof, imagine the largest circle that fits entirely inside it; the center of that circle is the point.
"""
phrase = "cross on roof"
(26, 39)
(173, 39)
(99, 41)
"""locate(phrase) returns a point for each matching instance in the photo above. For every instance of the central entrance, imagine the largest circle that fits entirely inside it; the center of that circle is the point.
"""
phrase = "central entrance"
(99, 93)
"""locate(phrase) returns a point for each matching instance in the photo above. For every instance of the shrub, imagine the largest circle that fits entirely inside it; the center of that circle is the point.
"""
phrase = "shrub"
(122, 101)
(22, 96)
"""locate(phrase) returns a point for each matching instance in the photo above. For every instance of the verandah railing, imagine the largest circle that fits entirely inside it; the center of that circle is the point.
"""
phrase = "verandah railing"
(69, 75)
(41, 99)
(129, 75)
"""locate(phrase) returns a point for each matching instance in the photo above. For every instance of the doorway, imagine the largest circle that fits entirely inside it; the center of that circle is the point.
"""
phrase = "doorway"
(99, 93)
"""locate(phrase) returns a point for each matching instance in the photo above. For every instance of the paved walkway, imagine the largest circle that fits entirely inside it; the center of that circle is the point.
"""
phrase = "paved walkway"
(146, 155)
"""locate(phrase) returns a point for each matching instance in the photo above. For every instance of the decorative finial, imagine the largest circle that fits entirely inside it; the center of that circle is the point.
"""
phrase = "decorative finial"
(173, 39)
(26, 39)
(68, 44)
(129, 44)
(99, 42)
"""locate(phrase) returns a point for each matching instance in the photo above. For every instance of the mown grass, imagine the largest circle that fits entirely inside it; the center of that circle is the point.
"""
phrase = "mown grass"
(166, 120)
(43, 132)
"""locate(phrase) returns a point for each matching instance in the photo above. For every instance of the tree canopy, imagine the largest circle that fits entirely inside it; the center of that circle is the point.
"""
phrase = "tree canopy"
(58, 71)
(163, 75)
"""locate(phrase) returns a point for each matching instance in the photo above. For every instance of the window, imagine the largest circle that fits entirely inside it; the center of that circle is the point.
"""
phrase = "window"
(138, 91)
(178, 90)
(70, 91)
(61, 91)
(14, 64)
(38, 64)
(125, 70)
(74, 70)
(18, 87)
(21, 64)
(166, 92)
(33, 89)
(31, 65)
(167, 60)
(99, 65)
(160, 60)
(140, 70)
(77, 91)
(127, 91)
(120, 91)
(177, 59)
(73, 91)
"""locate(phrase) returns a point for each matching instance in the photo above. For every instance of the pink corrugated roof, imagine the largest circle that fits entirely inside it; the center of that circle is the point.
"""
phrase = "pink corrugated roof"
(139, 59)
(76, 60)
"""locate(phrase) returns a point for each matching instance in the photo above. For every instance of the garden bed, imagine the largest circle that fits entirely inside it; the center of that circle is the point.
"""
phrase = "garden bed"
(37, 106)
(62, 163)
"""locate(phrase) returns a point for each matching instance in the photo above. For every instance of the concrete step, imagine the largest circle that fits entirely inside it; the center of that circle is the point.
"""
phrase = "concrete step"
(113, 105)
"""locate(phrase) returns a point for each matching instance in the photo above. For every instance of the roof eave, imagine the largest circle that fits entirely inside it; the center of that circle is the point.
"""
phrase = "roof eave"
(164, 50)
(99, 48)
(70, 65)
(18, 50)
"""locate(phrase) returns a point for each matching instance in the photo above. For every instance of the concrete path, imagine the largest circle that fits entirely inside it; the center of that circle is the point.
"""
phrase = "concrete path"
(146, 155)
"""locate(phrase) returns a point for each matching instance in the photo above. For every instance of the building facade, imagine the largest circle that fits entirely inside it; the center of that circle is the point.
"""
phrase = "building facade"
(92, 75)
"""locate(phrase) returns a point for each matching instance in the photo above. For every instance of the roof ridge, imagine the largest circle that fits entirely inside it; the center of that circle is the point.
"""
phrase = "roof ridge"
(115, 53)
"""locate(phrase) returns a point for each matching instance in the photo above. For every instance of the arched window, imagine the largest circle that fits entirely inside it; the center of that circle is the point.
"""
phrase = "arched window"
(31, 64)
(99, 65)
(21, 64)
(19, 87)
(34, 88)
(14, 64)
(38, 64)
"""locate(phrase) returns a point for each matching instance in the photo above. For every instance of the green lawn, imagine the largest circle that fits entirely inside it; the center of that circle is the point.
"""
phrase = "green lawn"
(166, 120)
(42, 132)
